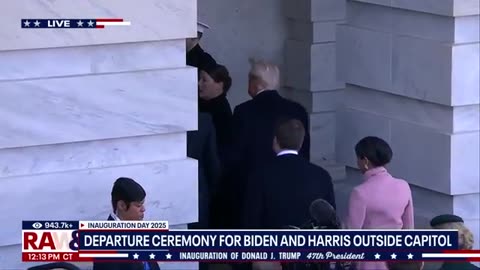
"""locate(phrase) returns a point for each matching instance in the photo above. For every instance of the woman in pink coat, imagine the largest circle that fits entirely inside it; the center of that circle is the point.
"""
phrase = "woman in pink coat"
(381, 201)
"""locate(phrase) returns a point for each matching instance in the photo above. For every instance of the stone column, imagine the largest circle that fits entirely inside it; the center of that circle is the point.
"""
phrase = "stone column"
(80, 108)
(412, 73)
(310, 71)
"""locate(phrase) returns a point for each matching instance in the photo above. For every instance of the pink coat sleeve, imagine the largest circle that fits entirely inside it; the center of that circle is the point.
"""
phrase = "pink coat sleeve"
(356, 210)
(407, 217)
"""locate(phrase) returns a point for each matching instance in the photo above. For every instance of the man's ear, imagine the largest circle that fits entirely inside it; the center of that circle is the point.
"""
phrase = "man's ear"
(275, 144)
(121, 205)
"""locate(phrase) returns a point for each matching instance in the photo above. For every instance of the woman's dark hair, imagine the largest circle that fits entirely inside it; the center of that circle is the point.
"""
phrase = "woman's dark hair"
(127, 190)
(219, 73)
(376, 150)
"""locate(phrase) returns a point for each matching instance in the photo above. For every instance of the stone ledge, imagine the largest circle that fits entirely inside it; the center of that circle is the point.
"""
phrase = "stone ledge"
(465, 74)
(315, 10)
(91, 155)
(85, 60)
(454, 168)
(467, 29)
(403, 22)
(94, 107)
(364, 57)
(395, 64)
(466, 7)
(443, 118)
(467, 206)
(316, 101)
(452, 8)
(316, 32)
(311, 66)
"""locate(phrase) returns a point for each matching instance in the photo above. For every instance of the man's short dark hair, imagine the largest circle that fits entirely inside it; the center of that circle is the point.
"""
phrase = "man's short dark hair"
(290, 133)
(127, 190)
(413, 265)
(376, 150)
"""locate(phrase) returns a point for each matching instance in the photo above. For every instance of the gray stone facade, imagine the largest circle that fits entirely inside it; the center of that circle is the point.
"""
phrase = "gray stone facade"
(406, 71)
(412, 75)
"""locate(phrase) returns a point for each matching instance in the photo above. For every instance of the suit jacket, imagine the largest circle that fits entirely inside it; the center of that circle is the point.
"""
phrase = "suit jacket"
(200, 59)
(123, 265)
(380, 202)
(253, 131)
(201, 145)
(280, 194)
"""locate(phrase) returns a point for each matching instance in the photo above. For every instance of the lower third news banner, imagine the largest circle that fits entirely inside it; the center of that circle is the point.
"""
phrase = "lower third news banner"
(129, 241)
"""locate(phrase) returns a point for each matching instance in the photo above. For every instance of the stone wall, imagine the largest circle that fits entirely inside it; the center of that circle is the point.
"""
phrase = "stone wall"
(80, 108)
(412, 74)
(310, 71)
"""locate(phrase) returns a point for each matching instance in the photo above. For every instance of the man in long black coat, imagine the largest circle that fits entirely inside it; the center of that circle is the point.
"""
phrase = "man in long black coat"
(201, 145)
(253, 131)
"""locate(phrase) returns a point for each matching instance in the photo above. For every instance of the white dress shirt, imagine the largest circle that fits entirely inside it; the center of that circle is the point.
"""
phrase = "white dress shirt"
(114, 216)
(263, 90)
(286, 152)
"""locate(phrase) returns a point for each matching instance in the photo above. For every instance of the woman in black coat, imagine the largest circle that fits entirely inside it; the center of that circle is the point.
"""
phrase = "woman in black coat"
(213, 85)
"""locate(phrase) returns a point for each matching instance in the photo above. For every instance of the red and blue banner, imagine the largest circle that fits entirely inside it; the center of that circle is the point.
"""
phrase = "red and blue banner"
(154, 241)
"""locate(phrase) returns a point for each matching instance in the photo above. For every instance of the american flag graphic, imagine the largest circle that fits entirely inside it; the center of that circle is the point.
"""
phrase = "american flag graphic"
(454, 255)
(101, 23)
(73, 23)
(126, 255)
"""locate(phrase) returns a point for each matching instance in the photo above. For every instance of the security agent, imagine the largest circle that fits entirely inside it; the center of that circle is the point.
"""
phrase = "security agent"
(465, 238)
(196, 56)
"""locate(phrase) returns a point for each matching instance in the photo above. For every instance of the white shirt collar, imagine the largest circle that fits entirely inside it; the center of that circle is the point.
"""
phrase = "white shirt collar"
(114, 216)
(263, 91)
(286, 152)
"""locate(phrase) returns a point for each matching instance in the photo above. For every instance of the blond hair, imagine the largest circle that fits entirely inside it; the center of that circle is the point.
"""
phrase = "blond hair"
(465, 236)
(267, 73)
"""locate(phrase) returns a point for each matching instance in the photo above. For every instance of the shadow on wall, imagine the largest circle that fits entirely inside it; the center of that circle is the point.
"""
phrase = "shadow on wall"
(243, 29)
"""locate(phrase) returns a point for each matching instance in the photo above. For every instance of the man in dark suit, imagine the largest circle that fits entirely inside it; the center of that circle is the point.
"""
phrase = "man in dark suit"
(128, 198)
(196, 56)
(253, 124)
(201, 145)
(280, 194)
